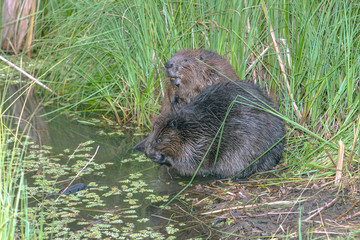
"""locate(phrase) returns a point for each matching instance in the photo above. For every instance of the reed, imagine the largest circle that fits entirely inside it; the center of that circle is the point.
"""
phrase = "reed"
(108, 57)
(15, 222)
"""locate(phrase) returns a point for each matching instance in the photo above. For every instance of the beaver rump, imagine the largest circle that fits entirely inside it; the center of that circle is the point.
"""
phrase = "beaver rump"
(189, 72)
(250, 141)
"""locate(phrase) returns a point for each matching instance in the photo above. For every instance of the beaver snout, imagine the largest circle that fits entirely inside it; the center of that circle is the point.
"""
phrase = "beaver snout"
(141, 146)
(174, 77)
(168, 65)
(157, 157)
(175, 81)
(172, 72)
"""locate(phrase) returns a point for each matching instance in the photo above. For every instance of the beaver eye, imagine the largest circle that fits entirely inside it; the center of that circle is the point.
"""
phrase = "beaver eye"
(185, 59)
(158, 140)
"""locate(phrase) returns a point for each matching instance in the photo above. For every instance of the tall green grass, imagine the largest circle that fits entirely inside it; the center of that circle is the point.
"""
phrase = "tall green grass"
(14, 219)
(108, 56)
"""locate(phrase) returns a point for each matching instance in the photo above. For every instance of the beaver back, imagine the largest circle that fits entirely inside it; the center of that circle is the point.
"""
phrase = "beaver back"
(245, 138)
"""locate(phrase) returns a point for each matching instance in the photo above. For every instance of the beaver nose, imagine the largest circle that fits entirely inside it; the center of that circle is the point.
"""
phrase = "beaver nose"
(140, 146)
(168, 65)
(156, 157)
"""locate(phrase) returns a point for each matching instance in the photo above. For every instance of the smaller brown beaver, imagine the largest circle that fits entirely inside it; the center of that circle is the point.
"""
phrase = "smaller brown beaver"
(250, 140)
(189, 71)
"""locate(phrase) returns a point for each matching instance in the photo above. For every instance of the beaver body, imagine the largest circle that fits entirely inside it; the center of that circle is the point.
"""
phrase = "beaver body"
(250, 141)
(190, 71)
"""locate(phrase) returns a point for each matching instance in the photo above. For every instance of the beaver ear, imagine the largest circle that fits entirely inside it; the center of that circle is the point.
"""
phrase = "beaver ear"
(173, 124)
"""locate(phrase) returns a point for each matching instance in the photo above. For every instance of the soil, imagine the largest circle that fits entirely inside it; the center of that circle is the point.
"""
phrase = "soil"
(269, 208)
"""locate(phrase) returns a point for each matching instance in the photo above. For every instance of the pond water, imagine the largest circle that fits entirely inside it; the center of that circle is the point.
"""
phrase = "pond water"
(116, 149)
(122, 184)
(125, 191)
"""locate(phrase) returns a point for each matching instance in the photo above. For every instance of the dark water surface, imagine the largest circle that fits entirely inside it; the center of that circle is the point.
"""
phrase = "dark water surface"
(125, 189)
(117, 149)
(65, 133)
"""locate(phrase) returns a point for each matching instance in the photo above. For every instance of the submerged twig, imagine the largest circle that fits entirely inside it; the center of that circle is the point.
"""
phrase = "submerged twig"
(27, 75)
(78, 173)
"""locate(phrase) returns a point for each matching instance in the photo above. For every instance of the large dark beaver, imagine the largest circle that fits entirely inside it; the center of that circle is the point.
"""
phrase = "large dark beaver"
(251, 139)
(189, 71)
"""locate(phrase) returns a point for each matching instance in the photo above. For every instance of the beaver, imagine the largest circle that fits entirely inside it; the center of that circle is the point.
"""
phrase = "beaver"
(189, 71)
(250, 140)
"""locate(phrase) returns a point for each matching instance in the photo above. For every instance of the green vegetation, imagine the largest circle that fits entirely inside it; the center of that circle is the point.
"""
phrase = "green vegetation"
(108, 57)
(14, 218)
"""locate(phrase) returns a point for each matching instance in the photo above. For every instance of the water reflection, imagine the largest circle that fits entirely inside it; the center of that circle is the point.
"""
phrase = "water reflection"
(21, 107)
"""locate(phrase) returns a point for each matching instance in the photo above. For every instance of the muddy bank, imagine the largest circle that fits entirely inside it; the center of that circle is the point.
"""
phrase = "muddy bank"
(267, 207)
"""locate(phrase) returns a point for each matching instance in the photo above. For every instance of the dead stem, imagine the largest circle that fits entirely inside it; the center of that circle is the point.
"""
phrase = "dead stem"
(282, 68)
(323, 225)
(262, 215)
(257, 59)
(297, 201)
(250, 206)
(329, 156)
(28, 75)
(196, 218)
(356, 135)
(340, 161)
(31, 31)
(327, 205)
(342, 215)
(164, 218)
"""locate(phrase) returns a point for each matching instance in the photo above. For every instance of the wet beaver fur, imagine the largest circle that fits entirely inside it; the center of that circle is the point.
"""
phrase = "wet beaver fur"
(181, 138)
(189, 71)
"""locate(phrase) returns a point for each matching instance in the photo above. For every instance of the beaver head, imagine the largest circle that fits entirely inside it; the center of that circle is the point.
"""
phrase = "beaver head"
(188, 67)
(189, 71)
(183, 64)
(163, 143)
(175, 141)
